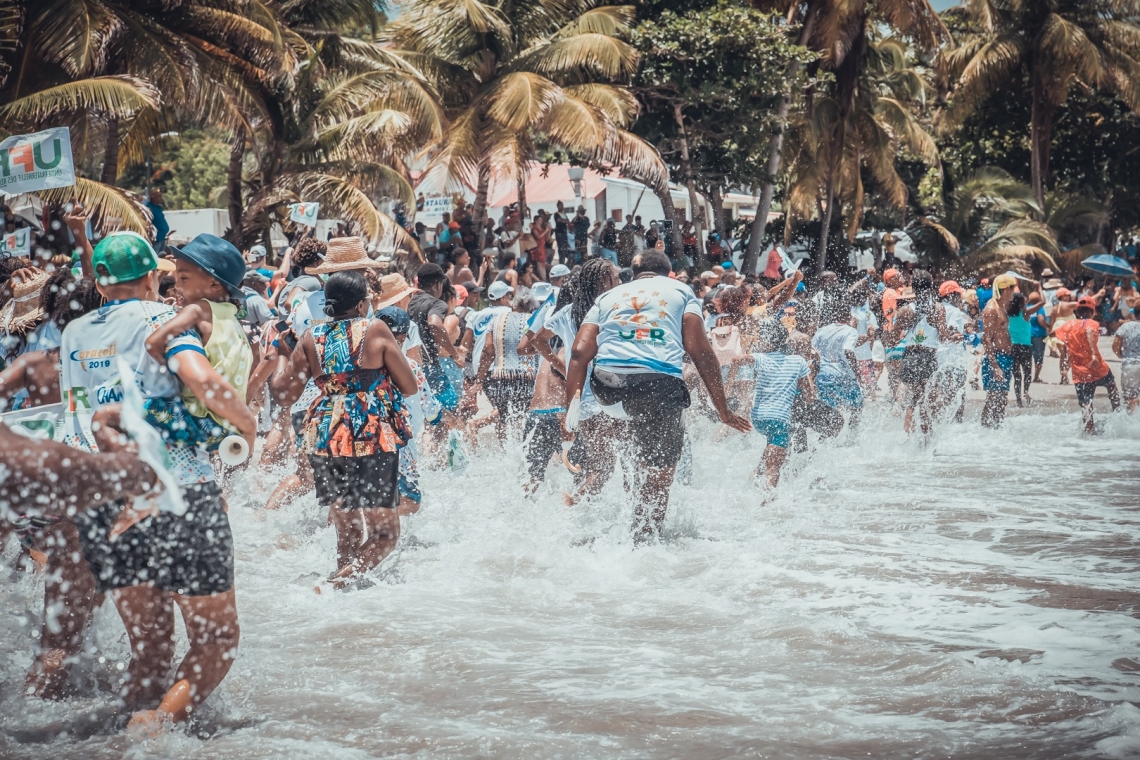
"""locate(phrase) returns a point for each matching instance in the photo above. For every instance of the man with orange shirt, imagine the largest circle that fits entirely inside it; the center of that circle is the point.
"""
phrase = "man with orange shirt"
(1079, 339)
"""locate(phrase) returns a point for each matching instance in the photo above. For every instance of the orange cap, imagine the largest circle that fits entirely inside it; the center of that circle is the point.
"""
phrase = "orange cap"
(948, 287)
(890, 274)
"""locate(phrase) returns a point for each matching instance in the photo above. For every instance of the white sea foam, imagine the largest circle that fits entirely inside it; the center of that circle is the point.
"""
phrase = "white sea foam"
(974, 597)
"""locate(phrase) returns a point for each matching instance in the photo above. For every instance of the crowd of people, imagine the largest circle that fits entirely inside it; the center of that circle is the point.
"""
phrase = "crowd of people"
(358, 376)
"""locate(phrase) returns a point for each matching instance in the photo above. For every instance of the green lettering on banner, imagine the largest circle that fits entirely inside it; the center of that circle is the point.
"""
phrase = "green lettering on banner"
(4, 162)
(39, 157)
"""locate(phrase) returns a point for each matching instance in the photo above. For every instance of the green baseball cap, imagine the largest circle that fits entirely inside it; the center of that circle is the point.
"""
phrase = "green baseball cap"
(123, 257)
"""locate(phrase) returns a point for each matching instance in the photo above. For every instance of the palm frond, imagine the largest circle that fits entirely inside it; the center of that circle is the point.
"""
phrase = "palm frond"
(74, 34)
(1019, 258)
(115, 96)
(520, 100)
(618, 103)
(109, 208)
(610, 20)
(589, 53)
(342, 197)
(1071, 259)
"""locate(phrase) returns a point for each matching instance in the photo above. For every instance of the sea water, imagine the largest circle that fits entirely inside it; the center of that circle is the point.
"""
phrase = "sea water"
(974, 595)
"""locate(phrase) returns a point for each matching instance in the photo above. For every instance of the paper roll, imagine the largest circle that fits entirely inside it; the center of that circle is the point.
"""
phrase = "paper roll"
(233, 450)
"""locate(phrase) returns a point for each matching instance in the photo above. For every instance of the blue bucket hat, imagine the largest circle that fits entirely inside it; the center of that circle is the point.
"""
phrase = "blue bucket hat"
(396, 318)
(219, 257)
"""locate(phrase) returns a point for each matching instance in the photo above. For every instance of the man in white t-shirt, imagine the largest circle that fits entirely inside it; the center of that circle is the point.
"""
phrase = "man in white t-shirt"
(147, 562)
(837, 381)
(637, 335)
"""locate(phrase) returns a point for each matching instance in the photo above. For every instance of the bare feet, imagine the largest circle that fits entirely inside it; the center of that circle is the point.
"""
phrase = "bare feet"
(174, 708)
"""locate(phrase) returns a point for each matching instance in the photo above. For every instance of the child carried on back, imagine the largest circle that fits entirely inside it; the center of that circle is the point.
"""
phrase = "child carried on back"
(208, 278)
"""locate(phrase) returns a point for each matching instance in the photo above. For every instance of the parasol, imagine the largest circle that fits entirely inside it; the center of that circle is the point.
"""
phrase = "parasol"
(1106, 263)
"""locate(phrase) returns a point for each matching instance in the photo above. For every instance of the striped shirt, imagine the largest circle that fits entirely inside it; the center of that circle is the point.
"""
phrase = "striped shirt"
(777, 377)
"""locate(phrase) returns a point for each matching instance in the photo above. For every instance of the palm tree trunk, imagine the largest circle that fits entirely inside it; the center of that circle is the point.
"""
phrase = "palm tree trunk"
(1040, 139)
(670, 213)
(111, 152)
(775, 149)
(524, 212)
(479, 212)
(696, 209)
(233, 185)
(717, 197)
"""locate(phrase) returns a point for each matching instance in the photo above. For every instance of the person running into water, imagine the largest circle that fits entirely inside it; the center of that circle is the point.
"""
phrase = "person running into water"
(1079, 344)
(150, 562)
(209, 274)
(949, 382)
(837, 382)
(780, 376)
(921, 322)
(354, 430)
(505, 376)
(1126, 345)
(997, 364)
(639, 334)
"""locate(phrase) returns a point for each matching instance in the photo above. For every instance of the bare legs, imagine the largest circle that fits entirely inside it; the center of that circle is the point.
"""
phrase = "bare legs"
(364, 537)
(213, 633)
(653, 501)
(69, 597)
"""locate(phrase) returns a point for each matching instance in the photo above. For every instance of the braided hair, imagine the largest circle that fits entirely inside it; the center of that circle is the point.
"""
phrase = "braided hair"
(588, 283)
(65, 298)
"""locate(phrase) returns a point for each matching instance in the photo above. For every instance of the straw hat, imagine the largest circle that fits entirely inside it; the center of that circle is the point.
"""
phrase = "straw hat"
(393, 289)
(1052, 283)
(907, 294)
(342, 254)
(23, 312)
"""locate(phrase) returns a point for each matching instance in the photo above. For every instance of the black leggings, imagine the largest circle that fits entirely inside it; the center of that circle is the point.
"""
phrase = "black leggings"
(545, 433)
(1022, 370)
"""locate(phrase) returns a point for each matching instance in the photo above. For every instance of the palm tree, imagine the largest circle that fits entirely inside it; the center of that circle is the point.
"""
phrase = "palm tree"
(1056, 45)
(991, 225)
(835, 145)
(341, 136)
(838, 32)
(514, 74)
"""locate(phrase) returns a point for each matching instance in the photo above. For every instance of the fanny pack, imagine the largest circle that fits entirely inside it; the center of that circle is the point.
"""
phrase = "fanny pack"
(638, 394)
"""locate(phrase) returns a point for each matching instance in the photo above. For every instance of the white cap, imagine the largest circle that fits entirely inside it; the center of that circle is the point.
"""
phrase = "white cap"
(542, 291)
(559, 270)
(498, 289)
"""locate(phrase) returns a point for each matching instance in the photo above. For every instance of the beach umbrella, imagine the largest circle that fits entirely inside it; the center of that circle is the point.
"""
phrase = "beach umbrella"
(1106, 263)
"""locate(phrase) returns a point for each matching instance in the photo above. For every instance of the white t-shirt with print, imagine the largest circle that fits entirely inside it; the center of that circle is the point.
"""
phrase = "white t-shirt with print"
(561, 323)
(89, 372)
(833, 342)
(640, 326)
(864, 320)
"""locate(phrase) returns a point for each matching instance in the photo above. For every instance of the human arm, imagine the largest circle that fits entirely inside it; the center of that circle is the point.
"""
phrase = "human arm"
(442, 340)
(194, 370)
(779, 295)
(14, 378)
(806, 388)
(286, 263)
(381, 350)
(1117, 348)
(184, 321)
(76, 221)
(583, 351)
(697, 346)
(292, 370)
(990, 325)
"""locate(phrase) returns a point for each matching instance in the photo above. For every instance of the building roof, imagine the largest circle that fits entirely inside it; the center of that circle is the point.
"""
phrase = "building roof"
(553, 187)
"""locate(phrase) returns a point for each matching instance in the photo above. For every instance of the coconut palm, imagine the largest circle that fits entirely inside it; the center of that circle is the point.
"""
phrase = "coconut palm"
(1056, 45)
(514, 74)
(838, 31)
(341, 137)
(834, 144)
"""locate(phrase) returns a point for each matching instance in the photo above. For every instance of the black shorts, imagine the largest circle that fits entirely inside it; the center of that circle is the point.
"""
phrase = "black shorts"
(654, 403)
(358, 482)
(509, 395)
(917, 365)
(1086, 391)
(545, 433)
(190, 554)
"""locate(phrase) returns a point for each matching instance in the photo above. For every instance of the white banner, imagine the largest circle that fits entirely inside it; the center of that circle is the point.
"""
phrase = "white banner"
(37, 161)
(434, 207)
(18, 243)
(304, 213)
